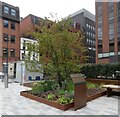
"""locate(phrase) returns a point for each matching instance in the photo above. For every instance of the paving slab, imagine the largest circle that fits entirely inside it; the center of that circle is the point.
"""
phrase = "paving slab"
(11, 103)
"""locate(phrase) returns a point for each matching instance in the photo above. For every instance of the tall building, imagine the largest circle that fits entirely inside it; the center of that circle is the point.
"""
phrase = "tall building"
(107, 31)
(9, 33)
(86, 20)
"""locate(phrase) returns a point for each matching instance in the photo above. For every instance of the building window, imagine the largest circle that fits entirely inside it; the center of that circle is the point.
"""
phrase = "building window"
(111, 36)
(111, 47)
(110, 6)
(13, 25)
(6, 23)
(99, 10)
(100, 48)
(13, 12)
(12, 39)
(12, 52)
(111, 26)
(100, 55)
(23, 56)
(119, 53)
(118, 46)
(111, 14)
(5, 52)
(105, 54)
(112, 53)
(6, 9)
(5, 37)
(24, 45)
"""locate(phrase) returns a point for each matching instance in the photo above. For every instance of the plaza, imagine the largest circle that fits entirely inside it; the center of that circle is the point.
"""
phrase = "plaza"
(11, 103)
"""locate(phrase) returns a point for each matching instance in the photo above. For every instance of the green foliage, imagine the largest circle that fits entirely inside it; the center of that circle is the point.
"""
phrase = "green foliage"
(91, 85)
(50, 96)
(63, 100)
(60, 50)
(61, 92)
(70, 86)
(101, 70)
(43, 86)
(37, 88)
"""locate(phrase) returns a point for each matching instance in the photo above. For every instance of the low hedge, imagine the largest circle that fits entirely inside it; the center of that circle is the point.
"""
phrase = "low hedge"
(101, 70)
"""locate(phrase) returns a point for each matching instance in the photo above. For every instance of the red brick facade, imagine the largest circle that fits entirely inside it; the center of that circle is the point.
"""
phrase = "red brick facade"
(106, 42)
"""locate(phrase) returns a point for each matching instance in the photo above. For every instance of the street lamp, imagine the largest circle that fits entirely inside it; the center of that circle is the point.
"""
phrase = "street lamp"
(6, 67)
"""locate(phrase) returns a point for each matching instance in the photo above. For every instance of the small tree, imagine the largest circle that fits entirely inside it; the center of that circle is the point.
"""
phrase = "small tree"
(60, 49)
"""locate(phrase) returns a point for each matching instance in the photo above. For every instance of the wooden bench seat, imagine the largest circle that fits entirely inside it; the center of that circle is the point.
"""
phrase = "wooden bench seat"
(111, 89)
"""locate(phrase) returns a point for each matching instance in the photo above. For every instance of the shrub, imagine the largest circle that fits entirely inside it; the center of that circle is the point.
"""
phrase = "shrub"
(43, 86)
(63, 100)
(92, 85)
(50, 96)
(102, 70)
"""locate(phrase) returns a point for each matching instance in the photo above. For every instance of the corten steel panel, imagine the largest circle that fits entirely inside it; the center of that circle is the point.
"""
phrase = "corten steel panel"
(80, 94)
(80, 97)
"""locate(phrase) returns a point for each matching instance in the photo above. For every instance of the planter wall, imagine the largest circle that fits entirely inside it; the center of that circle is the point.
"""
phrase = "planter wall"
(92, 97)
(105, 81)
(28, 84)
(57, 105)
(50, 103)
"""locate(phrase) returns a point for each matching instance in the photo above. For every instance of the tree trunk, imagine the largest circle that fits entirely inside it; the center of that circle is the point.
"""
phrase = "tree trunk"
(59, 80)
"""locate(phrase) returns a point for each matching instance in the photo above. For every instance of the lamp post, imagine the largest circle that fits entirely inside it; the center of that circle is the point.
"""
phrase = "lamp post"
(6, 67)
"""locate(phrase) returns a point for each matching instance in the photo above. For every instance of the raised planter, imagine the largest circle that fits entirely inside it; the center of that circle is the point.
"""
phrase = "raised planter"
(28, 84)
(50, 103)
(55, 104)
(105, 81)
(92, 97)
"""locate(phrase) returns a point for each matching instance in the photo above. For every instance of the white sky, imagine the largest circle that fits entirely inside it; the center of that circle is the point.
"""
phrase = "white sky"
(43, 8)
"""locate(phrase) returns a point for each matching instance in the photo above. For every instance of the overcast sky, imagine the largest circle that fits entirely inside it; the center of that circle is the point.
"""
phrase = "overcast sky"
(43, 8)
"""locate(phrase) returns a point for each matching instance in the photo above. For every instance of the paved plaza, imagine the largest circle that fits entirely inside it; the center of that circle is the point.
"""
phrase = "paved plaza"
(11, 103)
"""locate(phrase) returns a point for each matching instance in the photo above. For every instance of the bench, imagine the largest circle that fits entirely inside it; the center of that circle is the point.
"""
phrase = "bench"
(110, 89)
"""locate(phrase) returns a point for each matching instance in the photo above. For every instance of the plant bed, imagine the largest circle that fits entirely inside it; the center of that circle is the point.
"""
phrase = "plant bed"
(48, 102)
(95, 93)
(91, 94)
(104, 81)
(29, 84)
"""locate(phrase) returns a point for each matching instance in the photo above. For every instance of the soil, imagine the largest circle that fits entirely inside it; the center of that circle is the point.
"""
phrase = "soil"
(90, 92)
(94, 91)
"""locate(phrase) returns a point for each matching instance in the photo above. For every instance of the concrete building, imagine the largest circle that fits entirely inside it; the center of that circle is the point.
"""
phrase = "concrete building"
(107, 31)
(86, 20)
(9, 33)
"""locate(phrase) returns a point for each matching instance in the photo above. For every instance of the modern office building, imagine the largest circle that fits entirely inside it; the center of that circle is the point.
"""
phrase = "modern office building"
(108, 31)
(86, 20)
(9, 34)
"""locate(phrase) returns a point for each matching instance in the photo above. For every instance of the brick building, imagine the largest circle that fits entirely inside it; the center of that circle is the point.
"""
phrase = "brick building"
(107, 31)
(9, 33)
(29, 23)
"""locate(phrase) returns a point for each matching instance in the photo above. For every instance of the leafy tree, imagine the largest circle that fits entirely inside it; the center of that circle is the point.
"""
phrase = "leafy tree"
(60, 48)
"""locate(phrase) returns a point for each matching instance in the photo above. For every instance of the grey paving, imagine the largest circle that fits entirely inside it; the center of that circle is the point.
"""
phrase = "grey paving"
(11, 103)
